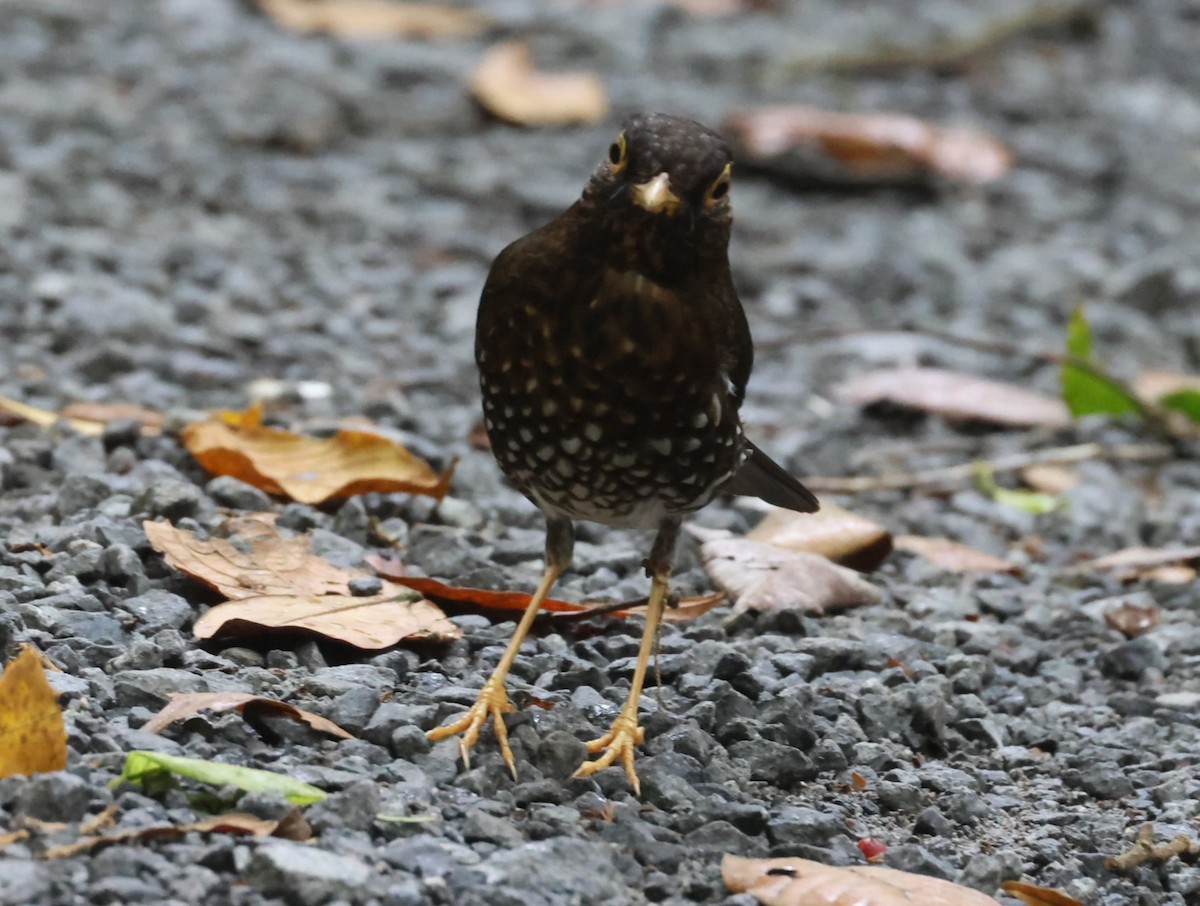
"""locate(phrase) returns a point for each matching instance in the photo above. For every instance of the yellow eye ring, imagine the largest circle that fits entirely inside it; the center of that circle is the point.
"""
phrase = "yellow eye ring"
(618, 155)
(719, 188)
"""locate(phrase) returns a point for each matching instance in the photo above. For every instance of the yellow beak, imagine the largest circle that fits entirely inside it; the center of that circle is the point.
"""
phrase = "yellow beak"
(655, 195)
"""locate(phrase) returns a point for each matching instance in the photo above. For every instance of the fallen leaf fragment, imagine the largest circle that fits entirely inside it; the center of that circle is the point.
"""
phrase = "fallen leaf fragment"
(833, 532)
(1027, 501)
(33, 737)
(850, 148)
(291, 826)
(141, 765)
(279, 584)
(188, 704)
(952, 555)
(1032, 895)
(506, 85)
(1131, 562)
(83, 418)
(364, 19)
(800, 882)
(308, 469)
(1153, 385)
(1050, 479)
(1132, 620)
(763, 577)
(954, 396)
(478, 597)
(16, 836)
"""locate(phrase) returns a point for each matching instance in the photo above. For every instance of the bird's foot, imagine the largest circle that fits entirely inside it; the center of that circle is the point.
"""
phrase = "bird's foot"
(621, 741)
(492, 702)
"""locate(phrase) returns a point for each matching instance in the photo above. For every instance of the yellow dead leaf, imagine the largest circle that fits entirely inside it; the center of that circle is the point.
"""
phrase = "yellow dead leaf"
(799, 882)
(279, 584)
(833, 532)
(1033, 895)
(33, 737)
(364, 19)
(506, 85)
(188, 704)
(953, 556)
(308, 469)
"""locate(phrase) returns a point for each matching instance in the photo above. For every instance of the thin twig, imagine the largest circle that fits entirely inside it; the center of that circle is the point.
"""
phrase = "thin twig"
(933, 478)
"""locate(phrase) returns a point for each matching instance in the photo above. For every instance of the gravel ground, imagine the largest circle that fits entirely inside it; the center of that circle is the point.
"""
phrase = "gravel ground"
(192, 200)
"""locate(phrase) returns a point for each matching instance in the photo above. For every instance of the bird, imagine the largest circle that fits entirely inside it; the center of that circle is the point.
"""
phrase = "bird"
(613, 357)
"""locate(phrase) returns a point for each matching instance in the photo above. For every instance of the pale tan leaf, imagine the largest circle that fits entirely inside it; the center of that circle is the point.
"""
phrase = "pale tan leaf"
(364, 19)
(46, 418)
(800, 882)
(833, 532)
(763, 577)
(308, 469)
(1050, 479)
(1169, 575)
(1140, 558)
(370, 623)
(508, 86)
(869, 147)
(1153, 385)
(188, 704)
(1032, 895)
(952, 555)
(954, 396)
(1132, 620)
(33, 737)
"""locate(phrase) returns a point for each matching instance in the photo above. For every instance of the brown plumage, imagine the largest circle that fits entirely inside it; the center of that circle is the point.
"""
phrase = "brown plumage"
(613, 355)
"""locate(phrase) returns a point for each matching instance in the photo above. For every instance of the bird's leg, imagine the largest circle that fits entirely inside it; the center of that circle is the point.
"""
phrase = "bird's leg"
(623, 738)
(493, 698)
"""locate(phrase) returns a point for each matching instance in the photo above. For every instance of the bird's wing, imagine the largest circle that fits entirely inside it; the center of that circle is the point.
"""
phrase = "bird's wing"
(738, 343)
(760, 476)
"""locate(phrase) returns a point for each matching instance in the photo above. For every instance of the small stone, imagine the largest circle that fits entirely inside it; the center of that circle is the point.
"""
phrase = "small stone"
(354, 708)
(798, 825)
(1131, 659)
(1103, 779)
(169, 498)
(56, 796)
(78, 493)
(306, 875)
(158, 609)
(480, 826)
(917, 859)
(560, 754)
(932, 823)
(353, 808)
(773, 762)
(228, 491)
(986, 872)
(365, 586)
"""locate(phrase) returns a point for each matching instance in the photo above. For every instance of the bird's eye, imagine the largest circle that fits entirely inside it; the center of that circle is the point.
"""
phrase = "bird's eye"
(618, 154)
(719, 188)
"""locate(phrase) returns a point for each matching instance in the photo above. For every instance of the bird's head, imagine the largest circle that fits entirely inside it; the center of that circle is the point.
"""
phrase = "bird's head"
(661, 195)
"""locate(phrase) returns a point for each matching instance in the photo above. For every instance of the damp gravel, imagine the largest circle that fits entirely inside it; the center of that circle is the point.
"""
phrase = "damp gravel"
(197, 207)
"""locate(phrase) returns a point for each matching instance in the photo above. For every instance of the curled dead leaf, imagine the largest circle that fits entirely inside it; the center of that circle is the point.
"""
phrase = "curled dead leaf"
(308, 469)
(953, 556)
(1050, 479)
(831, 147)
(188, 704)
(1032, 895)
(364, 19)
(83, 418)
(33, 737)
(1140, 563)
(1132, 620)
(800, 882)
(763, 577)
(508, 86)
(833, 532)
(954, 396)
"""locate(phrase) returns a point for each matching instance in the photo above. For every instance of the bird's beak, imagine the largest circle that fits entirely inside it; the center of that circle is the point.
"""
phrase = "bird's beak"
(655, 195)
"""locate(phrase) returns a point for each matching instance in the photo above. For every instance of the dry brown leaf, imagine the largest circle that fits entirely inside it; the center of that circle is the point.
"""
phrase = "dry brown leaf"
(1169, 575)
(33, 737)
(1049, 479)
(955, 396)
(1154, 385)
(188, 704)
(235, 823)
(799, 882)
(953, 556)
(506, 85)
(689, 609)
(1133, 561)
(281, 585)
(364, 19)
(864, 148)
(308, 469)
(103, 413)
(763, 577)
(833, 532)
(1033, 895)
(1132, 620)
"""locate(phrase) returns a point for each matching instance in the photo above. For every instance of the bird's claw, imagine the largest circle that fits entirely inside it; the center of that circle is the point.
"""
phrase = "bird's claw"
(492, 702)
(621, 741)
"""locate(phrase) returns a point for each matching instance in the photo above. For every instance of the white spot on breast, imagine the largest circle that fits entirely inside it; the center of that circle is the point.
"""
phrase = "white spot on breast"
(544, 452)
(564, 467)
(491, 425)
(531, 385)
(509, 411)
(579, 492)
(576, 403)
(506, 366)
(627, 345)
(549, 407)
(526, 434)
(700, 420)
(571, 445)
(692, 443)
(592, 431)
(662, 445)
(624, 460)
(714, 408)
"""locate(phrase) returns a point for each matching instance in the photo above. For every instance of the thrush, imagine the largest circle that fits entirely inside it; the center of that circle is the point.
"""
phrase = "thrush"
(613, 356)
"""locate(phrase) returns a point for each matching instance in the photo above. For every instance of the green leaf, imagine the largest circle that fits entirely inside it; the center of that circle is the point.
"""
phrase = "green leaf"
(1185, 401)
(141, 766)
(1088, 391)
(1028, 501)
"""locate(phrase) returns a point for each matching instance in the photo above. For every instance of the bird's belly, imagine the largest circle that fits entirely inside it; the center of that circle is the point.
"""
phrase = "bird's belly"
(625, 450)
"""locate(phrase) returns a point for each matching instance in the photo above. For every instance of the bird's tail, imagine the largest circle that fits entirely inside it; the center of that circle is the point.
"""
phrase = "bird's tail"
(760, 476)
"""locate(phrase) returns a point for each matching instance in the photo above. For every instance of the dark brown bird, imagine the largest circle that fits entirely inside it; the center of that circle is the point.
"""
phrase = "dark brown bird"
(613, 357)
